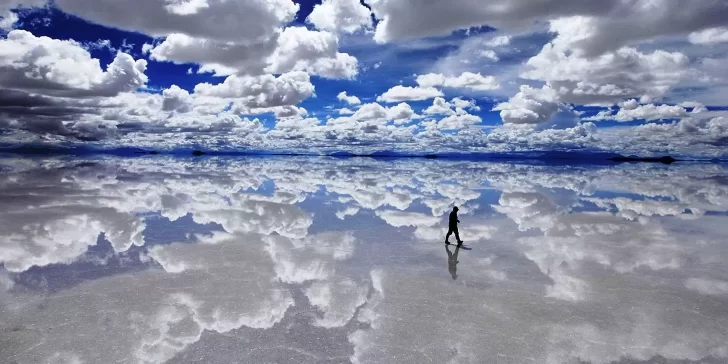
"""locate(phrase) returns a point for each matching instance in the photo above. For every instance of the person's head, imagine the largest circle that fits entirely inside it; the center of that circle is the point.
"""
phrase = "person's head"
(455, 208)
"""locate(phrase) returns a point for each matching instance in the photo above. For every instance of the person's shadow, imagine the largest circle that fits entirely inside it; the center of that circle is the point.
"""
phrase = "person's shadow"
(452, 261)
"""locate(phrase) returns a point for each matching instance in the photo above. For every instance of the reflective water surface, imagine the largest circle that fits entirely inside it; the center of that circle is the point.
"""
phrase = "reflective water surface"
(317, 260)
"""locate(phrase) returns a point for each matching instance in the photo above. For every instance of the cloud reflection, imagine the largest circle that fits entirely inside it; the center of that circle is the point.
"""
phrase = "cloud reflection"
(569, 264)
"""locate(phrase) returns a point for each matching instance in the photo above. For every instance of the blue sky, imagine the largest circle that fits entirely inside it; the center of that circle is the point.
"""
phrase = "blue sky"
(441, 76)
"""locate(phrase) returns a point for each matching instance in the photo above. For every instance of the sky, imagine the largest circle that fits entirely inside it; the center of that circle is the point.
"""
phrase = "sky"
(630, 76)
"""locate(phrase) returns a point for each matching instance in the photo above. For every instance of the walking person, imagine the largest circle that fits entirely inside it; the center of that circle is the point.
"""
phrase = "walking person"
(453, 228)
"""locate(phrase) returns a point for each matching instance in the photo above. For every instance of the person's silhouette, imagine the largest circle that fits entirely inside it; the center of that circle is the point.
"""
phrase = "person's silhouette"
(453, 227)
(452, 261)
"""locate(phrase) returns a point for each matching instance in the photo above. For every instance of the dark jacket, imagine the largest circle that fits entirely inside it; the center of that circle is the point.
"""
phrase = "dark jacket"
(454, 219)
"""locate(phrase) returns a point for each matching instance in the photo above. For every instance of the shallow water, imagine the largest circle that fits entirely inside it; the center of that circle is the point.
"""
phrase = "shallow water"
(309, 260)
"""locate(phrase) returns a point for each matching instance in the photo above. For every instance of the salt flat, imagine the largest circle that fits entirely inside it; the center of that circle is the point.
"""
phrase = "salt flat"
(339, 260)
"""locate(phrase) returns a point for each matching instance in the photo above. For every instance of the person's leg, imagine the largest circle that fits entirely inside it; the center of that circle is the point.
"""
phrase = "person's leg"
(447, 237)
(457, 235)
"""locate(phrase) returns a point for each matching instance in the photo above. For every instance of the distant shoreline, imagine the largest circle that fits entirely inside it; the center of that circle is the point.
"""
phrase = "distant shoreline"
(561, 157)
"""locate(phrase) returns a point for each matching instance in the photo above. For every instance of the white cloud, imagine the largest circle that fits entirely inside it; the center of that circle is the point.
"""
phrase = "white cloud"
(349, 99)
(411, 19)
(457, 122)
(372, 111)
(297, 123)
(710, 36)
(293, 49)
(300, 49)
(223, 58)
(8, 18)
(373, 116)
(241, 22)
(176, 99)
(406, 93)
(262, 91)
(686, 133)
(343, 16)
(64, 68)
(402, 113)
(465, 104)
(647, 112)
(439, 107)
(473, 81)
(186, 7)
(529, 106)
(489, 54)
(595, 27)
(499, 41)
(608, 78)
(588, 59)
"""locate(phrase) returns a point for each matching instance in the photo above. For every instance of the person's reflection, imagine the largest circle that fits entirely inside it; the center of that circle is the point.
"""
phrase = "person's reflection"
(452, 261)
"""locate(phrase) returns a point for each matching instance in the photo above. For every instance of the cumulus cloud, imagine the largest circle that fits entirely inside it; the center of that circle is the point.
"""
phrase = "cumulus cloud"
(468, 80)
(580, 67)
(499, 41)
(300, 49)
(595, 55)
(649, 112)
(343, 16)
(529, 106)
(349, 99)
(402, 113)
(608, 78)
(54, 87)
(710, 36)
(507, 137)
(457, 122)
(489, 54)
(406, 93)
(465, 104)
(594, 26)
(408, 19)
(458, 106)
(244, 22)
(262, 91)
(222, 58)
(8, 18)
(707, 132)
(372, 111)
(64, 68)
(292, 49)
(439, 106)
(176, 99)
